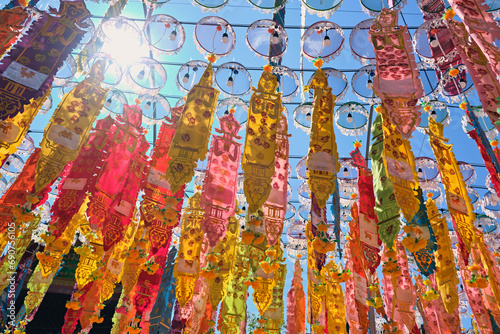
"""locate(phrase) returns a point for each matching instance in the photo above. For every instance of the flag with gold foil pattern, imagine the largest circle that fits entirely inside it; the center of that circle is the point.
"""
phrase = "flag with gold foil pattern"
(457, 197)
(446, 273)
(190, 142)
(70, 125)
(187, 265)
(260, 141)
(322, 157)
(218, 197)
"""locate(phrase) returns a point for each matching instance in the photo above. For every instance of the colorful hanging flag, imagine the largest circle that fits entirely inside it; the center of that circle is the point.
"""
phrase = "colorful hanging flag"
(457, 197)
(190, 142)
(187, 264)
(218, 197)
(14, 129)
(397, 81)
(446, 273)
(13, 22)
(260, 142)
(28, 69)
(482, 73)
(368, 227)
(322, 158)
(115, 192)
(69, 127)
(275, 206)
(161, 315)
(233, 309)
(386, 206)
(296, 304)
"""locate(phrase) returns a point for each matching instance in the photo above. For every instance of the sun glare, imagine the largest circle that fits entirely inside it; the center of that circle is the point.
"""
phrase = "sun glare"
(123, 43)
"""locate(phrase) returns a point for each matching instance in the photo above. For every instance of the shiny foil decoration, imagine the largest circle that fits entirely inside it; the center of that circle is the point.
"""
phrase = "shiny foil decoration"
(475, 299)
(157, 190)
(225, 252)
(161, 315)
(396, 82)
(115, 192)
(446, 273)
(12, 25)
(457, 197)
(82, 176)
(386, 206)
(296, 304)
(69, 127)
(487, 153)
(483, 74)
(14, 129)
(335, 304)
(368, 229)
(218, 197)
(187, 265)
(190, 142)
(233, 310)
(49, 262)
(274, 314)
(322, 157)
(275, 206)
(260, 142)
(28, 69)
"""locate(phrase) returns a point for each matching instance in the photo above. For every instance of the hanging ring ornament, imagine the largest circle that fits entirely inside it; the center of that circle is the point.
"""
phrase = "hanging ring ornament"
(66, 88)
(164, 34)
(27, 146)
(291, 213)
(296, 235)
(154, 109)
(490, 204)
(346, 188)
(214, 35)
(236, 106)
(189, 74)
(233, 79)
(337, 81)
(155, 3)
(374, 7)
(262, 31)
(301, 169)
(122, 39)
(66, 72)
(268, 6)
(89, 35)
(12, 166)
(302, 116)
(437, 110)
(304, 193)
(432, 187)
(427, 45)
(487, 224)
(484, 120)
(113, 72)
(46, 106)
(362, 85)
(474, 197)
(212, 6)
(464, 85)
(115, 100)
(489, 184)
(468, 172)
(146, 76)
(288, 82)
(361, 47)
(304, 212)
(431, 85)
(323, 39)
(352, 119)
(348, 172)
(427, 170)
(322, 8)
